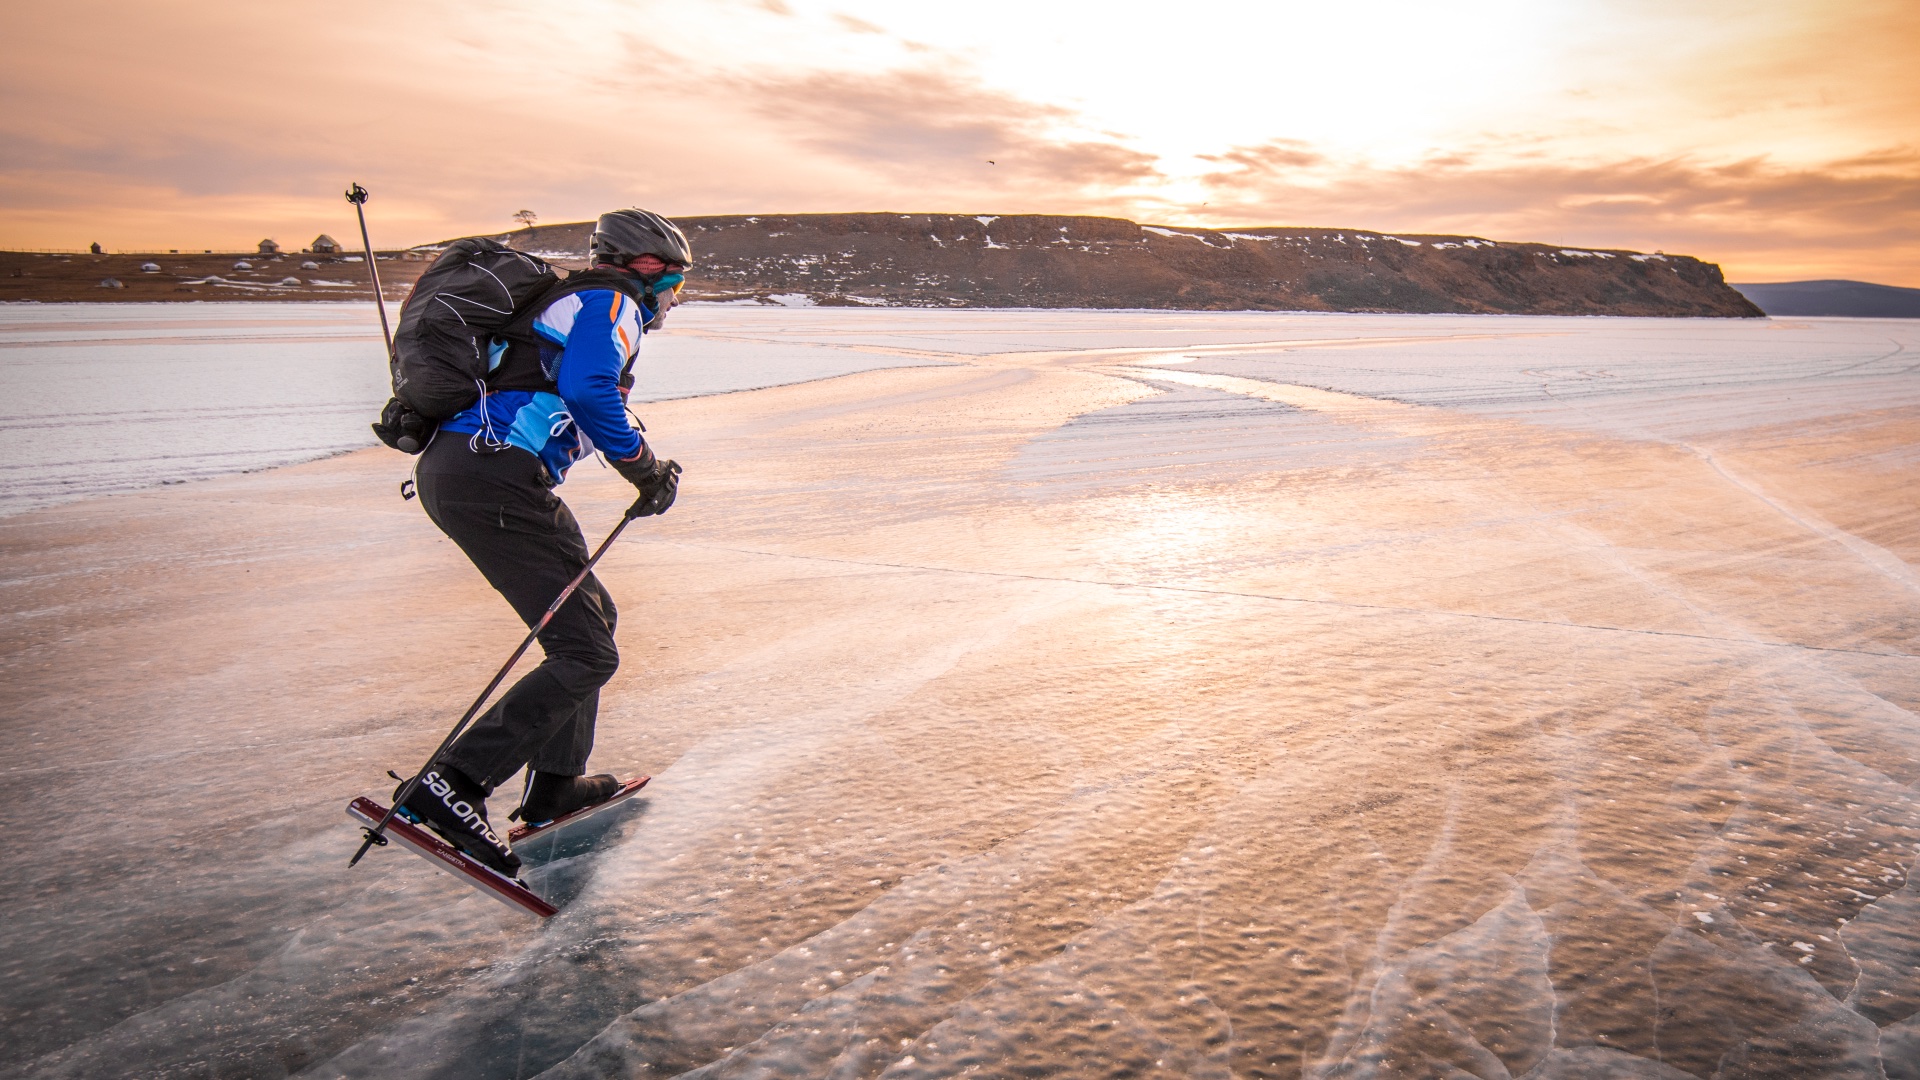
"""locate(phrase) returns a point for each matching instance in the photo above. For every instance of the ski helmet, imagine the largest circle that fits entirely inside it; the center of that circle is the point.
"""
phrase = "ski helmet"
(621, 236)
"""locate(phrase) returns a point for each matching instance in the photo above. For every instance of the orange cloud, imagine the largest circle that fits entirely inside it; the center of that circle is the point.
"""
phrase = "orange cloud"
(929, 129)
(1267, 159)
(856, 24)
(1762, 221)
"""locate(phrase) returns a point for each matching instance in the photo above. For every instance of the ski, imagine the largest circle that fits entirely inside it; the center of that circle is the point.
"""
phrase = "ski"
(527, 831)
(427, 845)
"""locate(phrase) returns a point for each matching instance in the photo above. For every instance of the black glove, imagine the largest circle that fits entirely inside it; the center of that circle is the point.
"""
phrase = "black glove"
(403, 429)
(658, 482)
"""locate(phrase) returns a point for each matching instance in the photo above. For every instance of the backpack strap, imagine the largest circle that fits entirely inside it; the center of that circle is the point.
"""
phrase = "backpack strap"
(520, 368)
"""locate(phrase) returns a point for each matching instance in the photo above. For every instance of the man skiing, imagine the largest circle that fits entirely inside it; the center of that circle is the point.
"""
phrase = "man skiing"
(556, 392)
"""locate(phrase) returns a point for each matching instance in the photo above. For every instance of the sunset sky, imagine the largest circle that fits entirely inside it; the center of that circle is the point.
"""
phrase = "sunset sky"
(1779, 138)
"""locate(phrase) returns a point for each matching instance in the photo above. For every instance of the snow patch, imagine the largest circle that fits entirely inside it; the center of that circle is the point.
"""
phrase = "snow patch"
(1578, 254)
(1648, 258)
(1409, 243)
(988, 220)
(792, 299)
(1157, 230)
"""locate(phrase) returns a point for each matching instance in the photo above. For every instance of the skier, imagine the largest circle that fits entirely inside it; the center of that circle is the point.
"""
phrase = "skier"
(487, 481)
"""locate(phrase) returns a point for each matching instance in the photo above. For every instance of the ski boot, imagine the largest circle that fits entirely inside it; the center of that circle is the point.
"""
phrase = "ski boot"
(550, 796)
(450, 804)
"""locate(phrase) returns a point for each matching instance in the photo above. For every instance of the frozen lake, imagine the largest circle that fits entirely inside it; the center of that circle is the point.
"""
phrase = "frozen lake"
(1114, 694)
(115, 397)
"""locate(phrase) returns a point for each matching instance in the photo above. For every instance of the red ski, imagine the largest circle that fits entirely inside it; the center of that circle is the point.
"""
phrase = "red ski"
(427, 845)
(525, 831)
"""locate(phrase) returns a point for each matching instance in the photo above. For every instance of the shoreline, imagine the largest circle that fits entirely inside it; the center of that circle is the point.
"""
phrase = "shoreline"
(395, 301)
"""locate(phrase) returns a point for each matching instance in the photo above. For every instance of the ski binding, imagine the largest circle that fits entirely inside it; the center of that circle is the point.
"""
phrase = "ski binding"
(426, 844)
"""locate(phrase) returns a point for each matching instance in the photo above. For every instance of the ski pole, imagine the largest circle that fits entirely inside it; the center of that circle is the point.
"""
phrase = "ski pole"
(357, 195)
(377, 834)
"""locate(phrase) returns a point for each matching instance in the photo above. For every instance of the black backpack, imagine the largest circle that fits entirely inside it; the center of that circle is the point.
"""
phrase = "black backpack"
(465, 299)
(477, 292)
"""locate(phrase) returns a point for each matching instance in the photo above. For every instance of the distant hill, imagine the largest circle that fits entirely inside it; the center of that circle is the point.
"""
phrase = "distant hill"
(988, 260)
(1033, 260)
(1859, 299)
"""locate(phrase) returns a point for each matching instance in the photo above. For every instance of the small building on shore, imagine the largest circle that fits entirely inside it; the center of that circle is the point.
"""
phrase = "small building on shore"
(324, 245)
(268, 247)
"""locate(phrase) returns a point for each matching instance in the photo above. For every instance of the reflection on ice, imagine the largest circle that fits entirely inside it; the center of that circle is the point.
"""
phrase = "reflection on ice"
(1673, 377)
(1207, 435)
(1126, 694)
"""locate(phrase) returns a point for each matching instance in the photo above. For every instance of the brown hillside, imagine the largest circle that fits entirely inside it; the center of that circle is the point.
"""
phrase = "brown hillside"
(954, 260)
(50, 278)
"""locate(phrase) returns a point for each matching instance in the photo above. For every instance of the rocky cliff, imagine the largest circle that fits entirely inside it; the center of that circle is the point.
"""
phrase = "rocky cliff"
(1025, 260)
(1031, 260)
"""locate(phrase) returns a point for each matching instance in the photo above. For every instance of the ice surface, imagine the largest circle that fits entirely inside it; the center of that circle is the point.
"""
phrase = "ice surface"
(1644, 378)
(1130, 694)
(108, 398)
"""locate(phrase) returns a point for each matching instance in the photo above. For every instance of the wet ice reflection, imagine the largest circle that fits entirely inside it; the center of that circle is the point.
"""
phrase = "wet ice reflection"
(1181, 433)
(1178, 712)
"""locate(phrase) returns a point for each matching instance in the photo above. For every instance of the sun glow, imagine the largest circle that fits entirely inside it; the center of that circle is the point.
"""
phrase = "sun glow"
(1773, 136)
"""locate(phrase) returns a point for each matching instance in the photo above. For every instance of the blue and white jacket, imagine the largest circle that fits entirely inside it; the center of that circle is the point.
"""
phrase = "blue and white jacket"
(587, 340)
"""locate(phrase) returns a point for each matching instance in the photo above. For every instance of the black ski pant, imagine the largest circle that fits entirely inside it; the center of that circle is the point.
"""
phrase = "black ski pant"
(497, 506)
